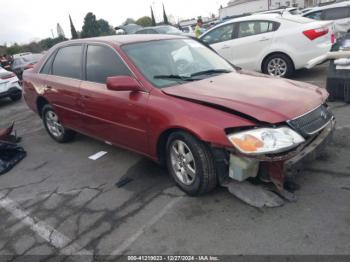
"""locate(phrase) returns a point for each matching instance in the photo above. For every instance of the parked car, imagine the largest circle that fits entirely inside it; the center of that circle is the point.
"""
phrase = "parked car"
(287, 10)
(303, 11)
(127, 29)
(271, 43)
(21, 54)
(9, 86)
(339, 13)
(161, 29)
(23, 62)
(188, 30)
(200, 119)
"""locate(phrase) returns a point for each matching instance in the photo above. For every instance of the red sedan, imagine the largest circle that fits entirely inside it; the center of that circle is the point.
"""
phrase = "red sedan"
(177, 102)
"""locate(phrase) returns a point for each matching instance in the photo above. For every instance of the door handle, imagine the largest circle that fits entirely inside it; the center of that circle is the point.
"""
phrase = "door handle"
(264, 39)
(225, 47)
(86, 97)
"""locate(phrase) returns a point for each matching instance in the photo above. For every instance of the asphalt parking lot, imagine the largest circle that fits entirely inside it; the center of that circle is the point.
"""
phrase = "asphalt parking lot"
(57, 201)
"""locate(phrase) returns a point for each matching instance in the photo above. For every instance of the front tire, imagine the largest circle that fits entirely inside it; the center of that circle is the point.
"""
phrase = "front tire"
(16, 97)
(190, 163)
(279, 65)
(53, 126)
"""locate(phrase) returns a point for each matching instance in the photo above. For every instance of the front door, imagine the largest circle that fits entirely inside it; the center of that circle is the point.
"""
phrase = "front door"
(118, 117)
(221, 40)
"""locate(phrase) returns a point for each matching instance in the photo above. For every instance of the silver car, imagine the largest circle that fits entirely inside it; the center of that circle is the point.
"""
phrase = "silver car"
(24, 62)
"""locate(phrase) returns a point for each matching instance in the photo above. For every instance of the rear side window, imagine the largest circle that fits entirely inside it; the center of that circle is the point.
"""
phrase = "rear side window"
(220, 34)
(314, 15)
(67, 62)
(102, 62)
(250, 28)
(47, 67)
(336, 13)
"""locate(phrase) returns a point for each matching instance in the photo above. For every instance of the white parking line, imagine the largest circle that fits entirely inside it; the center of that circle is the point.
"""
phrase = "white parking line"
(45, 231)
(129, 241)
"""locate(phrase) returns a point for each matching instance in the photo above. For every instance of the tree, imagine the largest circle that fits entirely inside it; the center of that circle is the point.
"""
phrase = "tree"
(104, 28)
(72, 29)
(129, 21)
(90, 27)
(47, 43)
(144, 21)
(165, 17)
(152, 17)
(14, 49)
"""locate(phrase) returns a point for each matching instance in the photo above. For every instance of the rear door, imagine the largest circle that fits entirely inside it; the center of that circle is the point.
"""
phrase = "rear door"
(221, 39)
(118, 117)
(252, 39)
(63, 83)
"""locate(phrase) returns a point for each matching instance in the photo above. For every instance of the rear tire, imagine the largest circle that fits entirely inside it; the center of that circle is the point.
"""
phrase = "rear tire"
(53, 126)
(190, 163)
(278, 65)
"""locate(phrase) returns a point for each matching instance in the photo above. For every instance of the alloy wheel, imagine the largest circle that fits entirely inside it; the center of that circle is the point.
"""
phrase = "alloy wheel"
(53, 125)
(182, 162)
(277, 67)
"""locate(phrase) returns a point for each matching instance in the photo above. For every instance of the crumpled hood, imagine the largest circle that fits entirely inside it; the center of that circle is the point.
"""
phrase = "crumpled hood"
(261, 97)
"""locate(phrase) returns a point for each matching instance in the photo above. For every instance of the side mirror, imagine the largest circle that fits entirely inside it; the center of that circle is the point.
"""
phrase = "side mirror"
(123, 83)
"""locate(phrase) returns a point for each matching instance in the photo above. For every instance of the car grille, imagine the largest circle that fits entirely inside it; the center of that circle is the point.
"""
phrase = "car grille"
(311, 122)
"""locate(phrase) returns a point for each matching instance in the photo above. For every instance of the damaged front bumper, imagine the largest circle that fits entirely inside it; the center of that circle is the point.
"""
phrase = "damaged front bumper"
(311, 151)
(279, 168)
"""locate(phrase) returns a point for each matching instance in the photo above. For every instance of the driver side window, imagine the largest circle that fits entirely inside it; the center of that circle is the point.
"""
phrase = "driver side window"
(221, 34)
(102, 62)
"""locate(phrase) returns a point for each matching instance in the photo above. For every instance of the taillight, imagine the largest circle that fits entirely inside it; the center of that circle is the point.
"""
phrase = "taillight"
(3, 77)
(312, 34)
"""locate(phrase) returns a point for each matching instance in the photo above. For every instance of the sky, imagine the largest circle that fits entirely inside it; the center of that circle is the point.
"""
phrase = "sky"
(23, 21)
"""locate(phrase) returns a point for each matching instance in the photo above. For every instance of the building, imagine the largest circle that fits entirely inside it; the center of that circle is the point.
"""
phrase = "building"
(240, 7)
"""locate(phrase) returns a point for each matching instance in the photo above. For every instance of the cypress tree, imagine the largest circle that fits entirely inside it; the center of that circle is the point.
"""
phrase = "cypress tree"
(72, 29)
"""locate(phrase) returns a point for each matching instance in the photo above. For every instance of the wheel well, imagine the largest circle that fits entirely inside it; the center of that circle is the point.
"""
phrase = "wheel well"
(275, 53)
(162, 140)
(40, 103)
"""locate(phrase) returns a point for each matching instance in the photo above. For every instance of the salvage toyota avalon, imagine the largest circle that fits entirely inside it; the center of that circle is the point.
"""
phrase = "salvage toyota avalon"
(177, 102)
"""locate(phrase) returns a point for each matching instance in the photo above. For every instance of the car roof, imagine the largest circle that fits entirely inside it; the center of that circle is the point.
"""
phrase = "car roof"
(127, 39)
(320, 8)
(252, 17)
(277, 10)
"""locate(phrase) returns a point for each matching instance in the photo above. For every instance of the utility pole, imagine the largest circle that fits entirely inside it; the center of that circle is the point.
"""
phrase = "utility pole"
(53, 36)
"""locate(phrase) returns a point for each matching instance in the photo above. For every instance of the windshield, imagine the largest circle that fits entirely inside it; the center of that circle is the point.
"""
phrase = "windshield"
(169, 62)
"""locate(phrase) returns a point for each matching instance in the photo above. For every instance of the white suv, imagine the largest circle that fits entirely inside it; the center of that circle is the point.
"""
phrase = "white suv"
(9, 86)
(339, 13)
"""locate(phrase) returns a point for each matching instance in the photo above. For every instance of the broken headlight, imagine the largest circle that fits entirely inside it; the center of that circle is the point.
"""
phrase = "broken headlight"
(266, 140)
